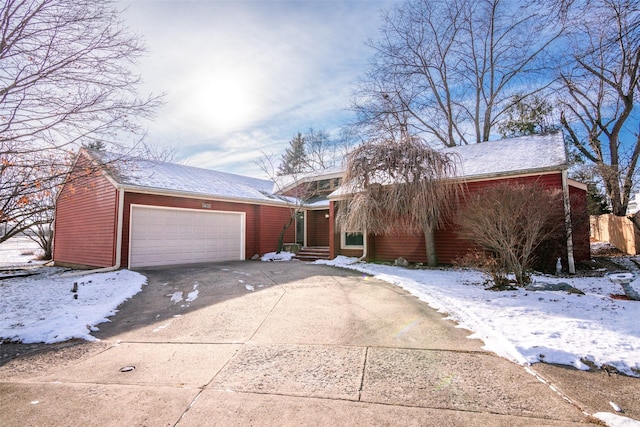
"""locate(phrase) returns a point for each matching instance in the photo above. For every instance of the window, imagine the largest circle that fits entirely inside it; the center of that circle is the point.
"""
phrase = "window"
(352, 240)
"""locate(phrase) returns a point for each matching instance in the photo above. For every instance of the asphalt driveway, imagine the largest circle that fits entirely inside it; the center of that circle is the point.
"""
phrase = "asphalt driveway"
(252, 343)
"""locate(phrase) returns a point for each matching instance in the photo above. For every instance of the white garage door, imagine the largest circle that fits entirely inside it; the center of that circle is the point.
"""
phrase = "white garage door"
(165, 236)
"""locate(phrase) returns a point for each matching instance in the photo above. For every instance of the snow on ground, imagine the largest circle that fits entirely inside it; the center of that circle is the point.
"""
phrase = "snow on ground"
(43, 308)
(19, 250)
(522, 325)
(274, 256)
(529, 326)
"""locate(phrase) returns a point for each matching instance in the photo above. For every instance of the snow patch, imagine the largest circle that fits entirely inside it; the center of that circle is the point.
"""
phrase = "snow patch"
(42, 308)
(176, 297)
(613, 420)
(273, 256)
(528, 326)
(191, 296)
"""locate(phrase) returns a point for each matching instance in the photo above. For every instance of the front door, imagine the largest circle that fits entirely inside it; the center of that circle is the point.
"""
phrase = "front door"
(300, 228)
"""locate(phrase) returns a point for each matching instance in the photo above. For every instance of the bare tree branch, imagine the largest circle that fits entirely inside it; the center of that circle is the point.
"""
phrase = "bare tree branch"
(66, 80)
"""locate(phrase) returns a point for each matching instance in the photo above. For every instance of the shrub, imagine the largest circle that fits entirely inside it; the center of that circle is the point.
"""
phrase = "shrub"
(509, 222)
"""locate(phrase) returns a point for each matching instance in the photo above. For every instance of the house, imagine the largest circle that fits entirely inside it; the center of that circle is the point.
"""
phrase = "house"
(536, 159)
(118, 211)
(139, 213)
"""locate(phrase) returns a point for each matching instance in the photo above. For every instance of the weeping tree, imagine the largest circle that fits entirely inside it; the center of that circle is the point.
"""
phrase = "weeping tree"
(398, 186)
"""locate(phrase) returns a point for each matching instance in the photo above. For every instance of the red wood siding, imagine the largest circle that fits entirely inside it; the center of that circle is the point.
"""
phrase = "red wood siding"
(272, 220)
(86, 217)
(263, 223)
(318, 228)
(450, 247)
(580, 224)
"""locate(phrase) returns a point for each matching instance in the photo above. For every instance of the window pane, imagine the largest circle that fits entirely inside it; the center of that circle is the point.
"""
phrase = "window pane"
(354, 239)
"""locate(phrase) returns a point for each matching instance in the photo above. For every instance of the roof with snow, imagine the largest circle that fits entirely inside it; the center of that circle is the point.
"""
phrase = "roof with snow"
(133, 173)
(514, 156)
(284, 183)
(525, 154)
(505, 157)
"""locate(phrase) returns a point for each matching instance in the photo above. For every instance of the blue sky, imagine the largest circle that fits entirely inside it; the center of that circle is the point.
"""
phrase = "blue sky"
(243, 77)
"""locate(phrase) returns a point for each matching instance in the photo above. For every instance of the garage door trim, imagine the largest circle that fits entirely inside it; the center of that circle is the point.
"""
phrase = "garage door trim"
(241, 255)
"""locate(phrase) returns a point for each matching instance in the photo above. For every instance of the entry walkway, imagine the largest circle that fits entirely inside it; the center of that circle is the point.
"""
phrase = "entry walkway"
(251, 343)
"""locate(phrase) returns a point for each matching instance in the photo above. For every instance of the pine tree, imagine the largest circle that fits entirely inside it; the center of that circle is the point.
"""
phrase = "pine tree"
(527, 116)
(293, 160)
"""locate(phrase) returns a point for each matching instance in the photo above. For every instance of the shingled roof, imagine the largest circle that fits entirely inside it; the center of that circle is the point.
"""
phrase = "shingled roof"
(137, 174)
(506, 157)
(524, 154)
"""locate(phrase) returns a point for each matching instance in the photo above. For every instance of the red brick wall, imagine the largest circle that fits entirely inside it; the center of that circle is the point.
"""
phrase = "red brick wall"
(86, 217)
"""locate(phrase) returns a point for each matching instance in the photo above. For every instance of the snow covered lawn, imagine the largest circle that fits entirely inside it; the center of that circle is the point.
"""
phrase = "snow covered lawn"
(529, 326)
(42, 307)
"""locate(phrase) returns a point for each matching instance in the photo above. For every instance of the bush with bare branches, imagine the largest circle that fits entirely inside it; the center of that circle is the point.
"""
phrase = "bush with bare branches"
(508, 222)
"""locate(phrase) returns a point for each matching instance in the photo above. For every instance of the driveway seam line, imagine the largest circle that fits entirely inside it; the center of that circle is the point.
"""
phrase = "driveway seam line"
(284, 291)
(204, 387)
(242, 345)
(364, 368)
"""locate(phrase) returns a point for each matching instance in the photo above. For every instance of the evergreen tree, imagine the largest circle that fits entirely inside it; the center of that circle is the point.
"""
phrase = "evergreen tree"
(597, 203)
(293, 160)
(527, 116)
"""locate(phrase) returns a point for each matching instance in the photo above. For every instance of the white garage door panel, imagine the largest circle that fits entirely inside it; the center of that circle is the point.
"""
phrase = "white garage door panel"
(165, 236)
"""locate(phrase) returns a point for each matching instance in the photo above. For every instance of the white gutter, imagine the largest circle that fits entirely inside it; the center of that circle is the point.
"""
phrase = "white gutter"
(116, 266)
(567, 221)
(278, 202)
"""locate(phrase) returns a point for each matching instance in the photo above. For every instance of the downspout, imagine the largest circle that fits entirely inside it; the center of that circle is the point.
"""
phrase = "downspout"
(116, 266)
(567, 221)
(365, 239)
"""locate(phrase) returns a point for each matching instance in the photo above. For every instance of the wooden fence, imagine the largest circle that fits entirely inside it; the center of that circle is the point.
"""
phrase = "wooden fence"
(617, 230)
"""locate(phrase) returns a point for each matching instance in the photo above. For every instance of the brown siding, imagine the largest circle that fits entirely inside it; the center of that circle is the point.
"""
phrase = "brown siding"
(86, 217)
(318, 228)
(263, 223)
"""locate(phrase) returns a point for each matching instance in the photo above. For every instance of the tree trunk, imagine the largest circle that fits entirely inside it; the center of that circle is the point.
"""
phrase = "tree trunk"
(284, 229)
(430, 244)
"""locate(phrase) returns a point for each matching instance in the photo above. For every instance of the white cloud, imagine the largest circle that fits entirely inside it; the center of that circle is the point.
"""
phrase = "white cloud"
(232, 70)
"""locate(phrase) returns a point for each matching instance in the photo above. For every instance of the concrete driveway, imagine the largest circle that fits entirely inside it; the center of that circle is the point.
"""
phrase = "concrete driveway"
(251, 343)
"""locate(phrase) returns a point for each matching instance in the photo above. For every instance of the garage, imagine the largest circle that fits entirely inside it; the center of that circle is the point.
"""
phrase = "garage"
(166, 236)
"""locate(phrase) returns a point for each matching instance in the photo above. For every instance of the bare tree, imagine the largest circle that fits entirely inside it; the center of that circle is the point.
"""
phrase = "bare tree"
(509, 222)
(601, 87)
(398, 186)
(295, 199)
(313, 151)
(65, 80)
(447, 70)
(320, 150)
